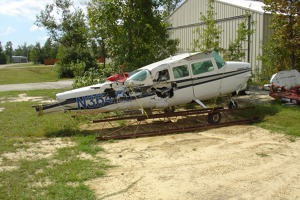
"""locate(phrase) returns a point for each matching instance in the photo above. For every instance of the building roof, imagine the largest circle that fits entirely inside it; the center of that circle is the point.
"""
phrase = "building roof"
(253, 5)
(256, 6)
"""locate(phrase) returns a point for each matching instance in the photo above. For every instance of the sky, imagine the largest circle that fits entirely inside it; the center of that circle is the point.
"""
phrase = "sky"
(17, 19)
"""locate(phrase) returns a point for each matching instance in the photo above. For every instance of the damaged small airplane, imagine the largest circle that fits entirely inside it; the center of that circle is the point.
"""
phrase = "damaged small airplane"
(173, 81)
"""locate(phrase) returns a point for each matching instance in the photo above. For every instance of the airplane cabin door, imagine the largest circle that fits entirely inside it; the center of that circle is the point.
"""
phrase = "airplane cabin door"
(205, 83)
(181, 78)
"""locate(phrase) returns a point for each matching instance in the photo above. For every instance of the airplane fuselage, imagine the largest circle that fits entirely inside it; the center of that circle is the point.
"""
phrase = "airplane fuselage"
(170, 82)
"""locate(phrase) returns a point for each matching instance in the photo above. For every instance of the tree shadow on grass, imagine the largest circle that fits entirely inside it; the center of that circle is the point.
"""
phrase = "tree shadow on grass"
(260, 111)
(67, 132)
(266, 110)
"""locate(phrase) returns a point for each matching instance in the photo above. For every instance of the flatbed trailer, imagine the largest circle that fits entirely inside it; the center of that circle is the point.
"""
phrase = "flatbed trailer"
(124, 127)
(291, 95)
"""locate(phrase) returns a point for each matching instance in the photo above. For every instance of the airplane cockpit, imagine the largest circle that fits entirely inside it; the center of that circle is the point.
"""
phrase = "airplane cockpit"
(163, 75)
(140, 78)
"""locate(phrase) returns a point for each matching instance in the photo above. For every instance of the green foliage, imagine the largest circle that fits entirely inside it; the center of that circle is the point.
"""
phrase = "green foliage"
(71, 32)
(9, 51)
(92, 76)
(50, 49)
(22, 50)
(169, 6)
(209, 37)
(2, 58)
(36, 54)
(133, 31)
(2, 55)
(282, 50)
(235, 51)
(74, 61)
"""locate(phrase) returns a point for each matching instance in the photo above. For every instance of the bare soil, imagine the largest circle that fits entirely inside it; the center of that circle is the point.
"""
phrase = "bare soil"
(238, 162)
(44, 148)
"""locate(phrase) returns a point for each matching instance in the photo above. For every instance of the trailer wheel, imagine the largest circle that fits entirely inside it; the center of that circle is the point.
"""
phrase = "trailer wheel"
(214, 118)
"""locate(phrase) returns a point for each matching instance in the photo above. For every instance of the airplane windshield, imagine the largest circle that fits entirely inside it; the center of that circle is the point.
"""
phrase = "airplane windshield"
(219, 60)
(139, 76)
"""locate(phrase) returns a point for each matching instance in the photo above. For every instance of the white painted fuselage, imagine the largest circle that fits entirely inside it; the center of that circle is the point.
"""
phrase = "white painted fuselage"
(176, 80)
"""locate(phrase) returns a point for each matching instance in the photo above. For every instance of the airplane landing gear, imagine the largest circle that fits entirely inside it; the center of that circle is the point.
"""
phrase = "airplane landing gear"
(169, 109)
(232, 104)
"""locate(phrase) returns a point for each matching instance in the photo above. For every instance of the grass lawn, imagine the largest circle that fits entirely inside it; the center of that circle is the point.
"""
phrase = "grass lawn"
(62, 174)
(27, 73)
(280, 118)
(59, 176)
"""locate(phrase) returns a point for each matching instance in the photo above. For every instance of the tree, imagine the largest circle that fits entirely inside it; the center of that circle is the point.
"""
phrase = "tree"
(71, 32)
(47, 48)
(209, 37)
(9, 51)
(22, 50)
(235, 50)
(2, 55)
(169, 6)
(36, 54)
(282, 50)
(50, 49)
(132, 31)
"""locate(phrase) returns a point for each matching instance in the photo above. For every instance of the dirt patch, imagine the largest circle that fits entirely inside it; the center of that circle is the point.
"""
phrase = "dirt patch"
(24, 97)
(34, 151)
(42, 149)
(256, 97)
(238, 162)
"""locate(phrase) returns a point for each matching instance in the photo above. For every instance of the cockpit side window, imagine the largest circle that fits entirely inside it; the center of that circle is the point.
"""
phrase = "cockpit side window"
(180, 71)
(163, 75)
(202, 67)
(219, 60)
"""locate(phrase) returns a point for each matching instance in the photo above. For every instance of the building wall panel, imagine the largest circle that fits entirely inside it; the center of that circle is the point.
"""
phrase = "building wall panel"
(187, 18)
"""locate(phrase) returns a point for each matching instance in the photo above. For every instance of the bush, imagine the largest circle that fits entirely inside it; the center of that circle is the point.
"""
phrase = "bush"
(92, 76)
(74, 61)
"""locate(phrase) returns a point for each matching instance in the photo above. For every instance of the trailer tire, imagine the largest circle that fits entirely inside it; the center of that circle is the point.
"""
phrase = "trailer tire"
(214, 118)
